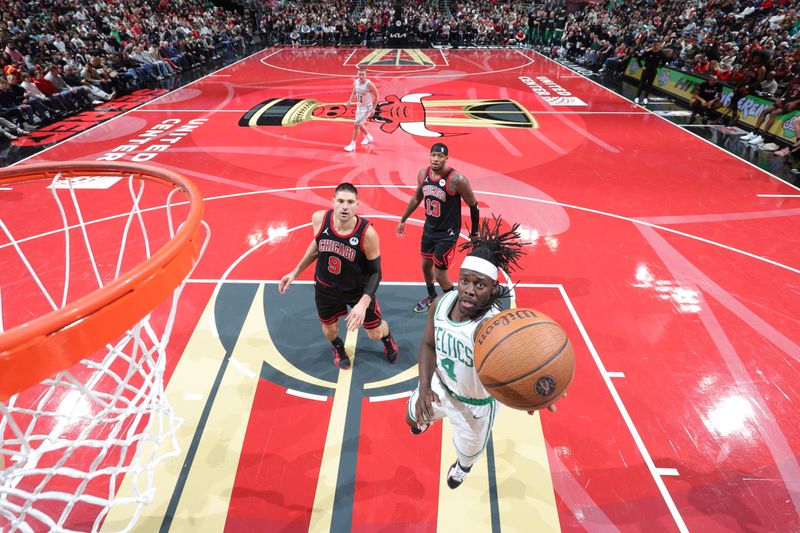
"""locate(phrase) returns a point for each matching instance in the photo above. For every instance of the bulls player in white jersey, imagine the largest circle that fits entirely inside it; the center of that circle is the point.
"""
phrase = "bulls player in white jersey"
(448, 382)
(347, 251)
(365, 95)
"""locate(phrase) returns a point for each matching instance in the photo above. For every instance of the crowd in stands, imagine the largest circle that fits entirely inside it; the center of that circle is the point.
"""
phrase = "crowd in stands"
(64, 56)
(424, 23)
(720, 37)
(751, 45)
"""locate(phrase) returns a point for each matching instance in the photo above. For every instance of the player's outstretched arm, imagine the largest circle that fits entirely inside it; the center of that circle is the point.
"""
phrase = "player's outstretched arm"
(309, 256)
(427, 366)
(552, 406)
(413, 203)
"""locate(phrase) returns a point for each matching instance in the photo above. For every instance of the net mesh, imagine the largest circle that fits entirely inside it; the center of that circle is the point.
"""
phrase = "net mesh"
(89, 438)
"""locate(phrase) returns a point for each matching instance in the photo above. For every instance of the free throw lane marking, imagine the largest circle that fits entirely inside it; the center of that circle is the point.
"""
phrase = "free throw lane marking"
(322, 512)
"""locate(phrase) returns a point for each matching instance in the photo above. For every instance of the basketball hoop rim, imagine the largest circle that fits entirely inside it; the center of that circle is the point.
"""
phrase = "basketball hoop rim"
(39, 348)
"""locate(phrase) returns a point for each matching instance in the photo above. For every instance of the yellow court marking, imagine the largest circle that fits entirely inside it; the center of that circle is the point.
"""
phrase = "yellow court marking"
(524, 485)
(467, 507)
(207, 492)
(322, 512)
(405, 375)
(193, 378)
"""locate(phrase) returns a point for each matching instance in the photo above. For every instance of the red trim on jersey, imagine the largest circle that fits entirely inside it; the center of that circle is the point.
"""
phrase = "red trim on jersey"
(378, 316)
(364, 235)
(447, 182)
(329, 321)
(324, 223)
(445, 177)
(355, 229)
(447, 256)
(323, 283)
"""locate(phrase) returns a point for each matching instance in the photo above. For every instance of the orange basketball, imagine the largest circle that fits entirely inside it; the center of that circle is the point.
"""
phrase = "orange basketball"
(524, 358)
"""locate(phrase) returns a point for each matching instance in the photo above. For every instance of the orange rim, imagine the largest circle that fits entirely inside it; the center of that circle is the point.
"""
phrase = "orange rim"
(38, 349)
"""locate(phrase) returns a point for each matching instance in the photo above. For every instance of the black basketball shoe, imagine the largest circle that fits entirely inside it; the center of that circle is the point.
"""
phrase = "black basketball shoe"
(340, 358)
(456, 475)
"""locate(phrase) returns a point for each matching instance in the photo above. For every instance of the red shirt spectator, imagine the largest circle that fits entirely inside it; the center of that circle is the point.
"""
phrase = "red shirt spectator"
(45, 86)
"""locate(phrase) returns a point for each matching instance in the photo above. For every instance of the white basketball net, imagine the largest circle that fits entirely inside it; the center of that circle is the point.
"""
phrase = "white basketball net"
(89, 438)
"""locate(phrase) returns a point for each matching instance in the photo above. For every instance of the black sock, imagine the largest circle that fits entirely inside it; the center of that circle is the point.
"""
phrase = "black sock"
(431, 290)
(337, 342)
(450, 289)
(387, 340)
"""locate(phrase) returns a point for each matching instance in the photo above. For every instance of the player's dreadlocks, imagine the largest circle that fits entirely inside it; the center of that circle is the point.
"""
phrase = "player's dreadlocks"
(502, 249)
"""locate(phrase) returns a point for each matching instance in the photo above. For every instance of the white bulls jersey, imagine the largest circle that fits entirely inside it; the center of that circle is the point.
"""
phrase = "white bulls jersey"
(363, 96)
(454, 349)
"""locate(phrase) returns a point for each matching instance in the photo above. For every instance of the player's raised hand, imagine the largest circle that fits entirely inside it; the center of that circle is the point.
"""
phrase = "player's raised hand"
(552, 406)
(401, 229)
(285, 282)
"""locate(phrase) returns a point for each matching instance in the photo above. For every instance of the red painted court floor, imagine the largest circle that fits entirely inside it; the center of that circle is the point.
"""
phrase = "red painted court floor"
(673, 266)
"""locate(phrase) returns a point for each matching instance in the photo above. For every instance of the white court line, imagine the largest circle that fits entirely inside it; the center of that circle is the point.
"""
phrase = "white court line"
(668, 472)
(307, 395)
(673, 509)
(309, 282)
(588, 112)
(615, 374)
(206, 111)
(6, 188)
(154, 100)
(388, 397)
(672, 123)
(446, 62)
(193, 397)
(222, 75)
(778, 195)
(404, 74)
(395, 217)
(348, 58)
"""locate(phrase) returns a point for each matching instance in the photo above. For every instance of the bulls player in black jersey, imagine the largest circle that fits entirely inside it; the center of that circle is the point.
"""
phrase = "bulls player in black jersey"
(441, 189)
(348, 271)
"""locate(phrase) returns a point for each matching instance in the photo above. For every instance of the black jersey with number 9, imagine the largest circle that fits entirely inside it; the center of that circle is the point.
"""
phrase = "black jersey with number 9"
(341, 263)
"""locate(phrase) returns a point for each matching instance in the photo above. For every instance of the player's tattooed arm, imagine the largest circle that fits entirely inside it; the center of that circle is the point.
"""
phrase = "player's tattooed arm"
(413, 203)
(461, 185)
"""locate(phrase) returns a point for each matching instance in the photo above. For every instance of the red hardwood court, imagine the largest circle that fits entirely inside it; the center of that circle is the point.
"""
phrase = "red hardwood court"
(673, 266)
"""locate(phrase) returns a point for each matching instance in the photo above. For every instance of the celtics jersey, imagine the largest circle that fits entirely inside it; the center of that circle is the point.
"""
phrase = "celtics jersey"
(454, 349)
(363, 96)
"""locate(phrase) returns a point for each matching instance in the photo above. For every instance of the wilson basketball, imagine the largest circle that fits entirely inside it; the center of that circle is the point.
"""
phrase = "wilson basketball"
(524, 359)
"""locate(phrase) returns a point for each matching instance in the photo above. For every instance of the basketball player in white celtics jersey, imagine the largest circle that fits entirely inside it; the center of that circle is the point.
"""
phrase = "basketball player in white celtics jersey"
(366, 96)
(448, 382)
(348, 271)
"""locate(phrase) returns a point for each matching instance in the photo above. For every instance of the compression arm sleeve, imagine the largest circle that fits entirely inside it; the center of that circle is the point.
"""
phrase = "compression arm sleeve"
(373, 277)
(474, 216)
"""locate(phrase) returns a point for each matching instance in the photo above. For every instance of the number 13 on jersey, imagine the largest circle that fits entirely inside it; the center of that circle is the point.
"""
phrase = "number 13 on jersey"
(433, 208)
